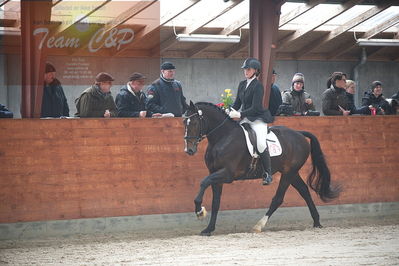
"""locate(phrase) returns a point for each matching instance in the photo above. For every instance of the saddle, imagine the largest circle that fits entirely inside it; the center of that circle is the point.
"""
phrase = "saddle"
(273, 144)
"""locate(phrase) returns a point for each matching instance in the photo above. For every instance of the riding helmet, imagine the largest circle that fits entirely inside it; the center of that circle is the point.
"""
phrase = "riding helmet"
(252, 63)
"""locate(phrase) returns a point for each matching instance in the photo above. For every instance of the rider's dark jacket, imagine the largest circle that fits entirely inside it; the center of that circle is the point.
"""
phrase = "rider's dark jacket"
(250, 100)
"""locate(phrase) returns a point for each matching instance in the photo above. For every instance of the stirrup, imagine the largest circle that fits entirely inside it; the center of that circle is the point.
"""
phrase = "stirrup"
(267, 180)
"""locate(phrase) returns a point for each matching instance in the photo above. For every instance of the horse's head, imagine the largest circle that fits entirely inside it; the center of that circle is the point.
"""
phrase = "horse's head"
(193, 125)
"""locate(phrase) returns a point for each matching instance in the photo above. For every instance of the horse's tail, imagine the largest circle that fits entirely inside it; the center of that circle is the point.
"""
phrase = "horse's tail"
(320, 178)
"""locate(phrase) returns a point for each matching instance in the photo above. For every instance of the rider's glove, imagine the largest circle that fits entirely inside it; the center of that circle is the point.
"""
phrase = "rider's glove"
(234, 114)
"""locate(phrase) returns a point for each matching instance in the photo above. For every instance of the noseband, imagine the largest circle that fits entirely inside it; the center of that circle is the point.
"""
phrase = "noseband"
(202, 135)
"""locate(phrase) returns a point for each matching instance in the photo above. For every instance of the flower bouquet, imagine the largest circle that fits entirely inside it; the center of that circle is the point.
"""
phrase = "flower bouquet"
(227, 100)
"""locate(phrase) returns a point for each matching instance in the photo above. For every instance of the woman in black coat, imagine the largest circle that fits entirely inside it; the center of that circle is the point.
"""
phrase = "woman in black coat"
(250, 100)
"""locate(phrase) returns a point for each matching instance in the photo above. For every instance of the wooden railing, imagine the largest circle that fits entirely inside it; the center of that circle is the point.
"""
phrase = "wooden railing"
(67, 169)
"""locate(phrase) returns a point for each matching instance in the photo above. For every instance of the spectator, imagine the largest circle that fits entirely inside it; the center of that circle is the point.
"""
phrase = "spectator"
(97, 100)
(350, 88)
(5, 113)
(374, 99)
(165, 95)
(54, 102)
(130, 101)
(275, 96)
(394, 103)
(334, 99)
(297, 96)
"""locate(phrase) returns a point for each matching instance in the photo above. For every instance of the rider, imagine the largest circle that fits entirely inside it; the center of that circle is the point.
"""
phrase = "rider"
(250, 99)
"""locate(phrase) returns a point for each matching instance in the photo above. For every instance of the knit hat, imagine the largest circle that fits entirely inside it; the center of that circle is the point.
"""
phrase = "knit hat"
(167, 66)
(136, 76)
(298, 77)
(104, 77)
(49, 68)
(374, 84)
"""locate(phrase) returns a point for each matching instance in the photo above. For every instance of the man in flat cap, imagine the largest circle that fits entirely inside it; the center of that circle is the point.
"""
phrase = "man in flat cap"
(97, 100)
(130, 101)
(54, 102)
(165, 95)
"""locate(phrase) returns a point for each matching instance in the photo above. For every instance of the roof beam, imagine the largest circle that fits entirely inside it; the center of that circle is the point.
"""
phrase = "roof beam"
(378, 49)
(342, 29)
(63, 27)
(180, 7)
(239, 23)
(334, 12)
(122, 18)
(4, 2)
(206, 18)
(237, 47)
(381, 27)
(293, 14)
(372, 32)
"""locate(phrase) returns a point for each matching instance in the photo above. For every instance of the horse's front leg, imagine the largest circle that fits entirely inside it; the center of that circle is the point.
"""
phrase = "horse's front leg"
(218, 177)
(217, 193)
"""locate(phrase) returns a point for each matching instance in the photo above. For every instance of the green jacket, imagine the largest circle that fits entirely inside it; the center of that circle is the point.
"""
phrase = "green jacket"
(93, 103)
(297, 100)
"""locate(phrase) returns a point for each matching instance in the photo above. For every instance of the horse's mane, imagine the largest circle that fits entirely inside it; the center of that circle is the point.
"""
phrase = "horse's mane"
(217, 108)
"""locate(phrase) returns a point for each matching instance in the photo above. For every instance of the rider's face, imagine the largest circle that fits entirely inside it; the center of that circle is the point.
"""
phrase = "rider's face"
(249, 72)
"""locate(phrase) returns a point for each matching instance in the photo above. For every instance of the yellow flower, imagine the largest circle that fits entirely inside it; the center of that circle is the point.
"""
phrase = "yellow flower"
(227, 90)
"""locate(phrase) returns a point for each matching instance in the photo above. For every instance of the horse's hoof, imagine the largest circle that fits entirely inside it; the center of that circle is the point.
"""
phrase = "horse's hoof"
(256, 230)
(202, 213)
(317, 226)
(205, 233)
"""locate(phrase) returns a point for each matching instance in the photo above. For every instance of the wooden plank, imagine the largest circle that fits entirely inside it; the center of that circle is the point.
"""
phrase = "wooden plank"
(90, 176)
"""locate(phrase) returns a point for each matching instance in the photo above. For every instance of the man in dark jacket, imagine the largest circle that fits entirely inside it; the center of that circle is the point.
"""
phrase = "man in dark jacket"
(275, 99)
(130, 101)
(97, 100)
(165, 95)
(54, 102)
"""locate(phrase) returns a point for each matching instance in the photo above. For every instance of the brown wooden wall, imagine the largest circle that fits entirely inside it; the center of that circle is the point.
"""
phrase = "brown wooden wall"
(66, 169)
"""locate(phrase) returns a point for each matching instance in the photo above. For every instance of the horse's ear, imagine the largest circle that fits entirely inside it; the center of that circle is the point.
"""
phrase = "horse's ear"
(192, 106)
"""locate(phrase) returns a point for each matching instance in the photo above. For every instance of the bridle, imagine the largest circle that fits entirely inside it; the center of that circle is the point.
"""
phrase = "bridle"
(201, 134)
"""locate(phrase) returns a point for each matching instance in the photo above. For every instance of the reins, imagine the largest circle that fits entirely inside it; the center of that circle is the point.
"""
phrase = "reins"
(202, 135)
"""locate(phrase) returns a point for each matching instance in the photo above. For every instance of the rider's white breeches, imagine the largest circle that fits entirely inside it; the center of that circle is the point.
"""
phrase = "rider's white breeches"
(260, 128)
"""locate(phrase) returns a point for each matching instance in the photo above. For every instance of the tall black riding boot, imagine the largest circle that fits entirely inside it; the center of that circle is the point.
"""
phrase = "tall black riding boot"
(266, 163)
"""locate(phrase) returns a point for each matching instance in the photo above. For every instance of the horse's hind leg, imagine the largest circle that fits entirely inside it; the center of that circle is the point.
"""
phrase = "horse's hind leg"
(276, 202)
(217, 193)
(303, 190)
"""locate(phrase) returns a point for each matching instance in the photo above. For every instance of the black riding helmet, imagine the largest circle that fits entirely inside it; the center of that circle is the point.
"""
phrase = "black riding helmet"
(252, 63)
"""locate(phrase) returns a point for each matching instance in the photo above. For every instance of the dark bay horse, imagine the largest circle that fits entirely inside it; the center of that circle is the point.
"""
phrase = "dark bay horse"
(227, 159)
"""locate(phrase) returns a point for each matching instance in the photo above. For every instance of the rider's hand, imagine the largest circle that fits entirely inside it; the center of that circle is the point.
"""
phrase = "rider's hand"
(143, 114)
(157, 115)
(234, 114)
(107, 113)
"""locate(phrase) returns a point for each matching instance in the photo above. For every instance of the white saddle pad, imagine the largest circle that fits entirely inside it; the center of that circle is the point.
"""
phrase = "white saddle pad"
(273, 144)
